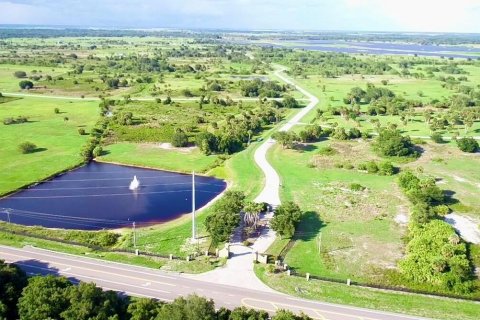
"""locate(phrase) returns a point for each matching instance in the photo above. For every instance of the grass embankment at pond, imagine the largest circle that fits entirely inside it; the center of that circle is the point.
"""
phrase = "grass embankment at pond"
(414, 304)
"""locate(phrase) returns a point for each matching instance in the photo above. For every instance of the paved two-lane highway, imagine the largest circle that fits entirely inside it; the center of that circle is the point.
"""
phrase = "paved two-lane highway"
(144, 282)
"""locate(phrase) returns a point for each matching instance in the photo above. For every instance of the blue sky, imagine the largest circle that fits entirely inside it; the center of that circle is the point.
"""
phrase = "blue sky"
(375, 15)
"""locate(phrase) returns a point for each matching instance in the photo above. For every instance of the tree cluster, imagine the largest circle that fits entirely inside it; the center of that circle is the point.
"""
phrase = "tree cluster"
(50, 297)
(225, 217)
(435, 255)
(391, 143)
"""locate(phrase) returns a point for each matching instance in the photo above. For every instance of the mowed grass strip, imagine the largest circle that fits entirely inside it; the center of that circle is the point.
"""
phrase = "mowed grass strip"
(414, 304)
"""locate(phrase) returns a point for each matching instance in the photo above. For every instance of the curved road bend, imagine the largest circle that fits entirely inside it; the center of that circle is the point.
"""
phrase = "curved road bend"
(150, 283)
(270, 193)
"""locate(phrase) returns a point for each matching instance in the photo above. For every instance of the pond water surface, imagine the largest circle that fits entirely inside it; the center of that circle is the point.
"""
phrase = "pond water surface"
(97, 196)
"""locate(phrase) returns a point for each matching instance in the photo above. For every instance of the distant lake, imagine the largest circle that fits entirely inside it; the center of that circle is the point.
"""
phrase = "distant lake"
(382, 48)
(97, 196)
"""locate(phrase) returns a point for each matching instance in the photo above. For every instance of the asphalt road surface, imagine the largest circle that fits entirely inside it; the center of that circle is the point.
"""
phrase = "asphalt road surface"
(144, 282)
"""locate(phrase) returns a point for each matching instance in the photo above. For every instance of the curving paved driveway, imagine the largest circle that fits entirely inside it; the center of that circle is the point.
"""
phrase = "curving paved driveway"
(238, 270)
(270, 192)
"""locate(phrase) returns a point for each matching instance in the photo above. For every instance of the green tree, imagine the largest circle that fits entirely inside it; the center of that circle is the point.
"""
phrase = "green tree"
(86, 301)
(225, 217)
(290, 102)
(286, 139)
(191, 308)
(143, 309)
(390, 143)
(179, 139)
(25, 84)
(12, 282)
(252, 212)
(44, 298)
(286, 218)
(207, 142)
(288, 315)
(468, 145)
(242, 313)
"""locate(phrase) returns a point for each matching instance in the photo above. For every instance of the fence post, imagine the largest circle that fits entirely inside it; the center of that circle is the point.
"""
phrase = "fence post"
(170, 257)
(188, 257)
(308, 276)
(136, 252)
(348, 282)
(206, 253)
(289, 272)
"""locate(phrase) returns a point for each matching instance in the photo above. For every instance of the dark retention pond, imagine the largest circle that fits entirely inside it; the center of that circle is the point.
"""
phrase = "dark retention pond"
(97, 196)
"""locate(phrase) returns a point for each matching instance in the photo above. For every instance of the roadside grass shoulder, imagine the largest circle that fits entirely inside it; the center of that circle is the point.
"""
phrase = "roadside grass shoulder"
(413, 304)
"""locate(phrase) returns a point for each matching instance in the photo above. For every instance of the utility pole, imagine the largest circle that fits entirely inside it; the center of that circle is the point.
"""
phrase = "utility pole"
(134, 235)
(194, 236)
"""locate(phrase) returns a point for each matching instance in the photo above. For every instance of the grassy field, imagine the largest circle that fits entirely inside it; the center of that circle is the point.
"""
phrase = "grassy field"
(338, 88)
(58, 141)
(152, 155)
(340, 226)
(456, 171)
(418, 305)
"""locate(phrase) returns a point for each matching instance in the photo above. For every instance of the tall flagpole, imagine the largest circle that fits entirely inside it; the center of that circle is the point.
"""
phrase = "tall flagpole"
(194, 236)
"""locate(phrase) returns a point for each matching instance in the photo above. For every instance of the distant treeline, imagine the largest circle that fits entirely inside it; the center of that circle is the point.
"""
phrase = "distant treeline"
(211, 35)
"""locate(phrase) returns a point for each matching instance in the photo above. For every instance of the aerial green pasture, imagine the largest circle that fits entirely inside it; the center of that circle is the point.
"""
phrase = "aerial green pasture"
(57, 139)
(344, 234)
(423, 90)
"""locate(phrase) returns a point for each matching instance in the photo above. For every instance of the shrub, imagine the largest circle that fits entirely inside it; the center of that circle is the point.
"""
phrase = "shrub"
(26, 84)
(437, 137)
(97, 151)
(20, 74)
(386, 168)
(27, 147)
(356, 187)
(371, 167)
(81, 131)
(468, 145)
(56, 110)
(436, 256)
(327, 151)
(348, 166)
(8, 121)
(179, 139)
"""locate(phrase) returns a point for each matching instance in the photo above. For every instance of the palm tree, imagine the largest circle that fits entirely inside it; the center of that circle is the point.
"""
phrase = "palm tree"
(252, 213)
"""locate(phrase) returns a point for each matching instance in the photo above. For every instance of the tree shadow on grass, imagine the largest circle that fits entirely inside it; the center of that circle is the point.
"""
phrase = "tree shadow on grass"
(39, 150)
(309, 227)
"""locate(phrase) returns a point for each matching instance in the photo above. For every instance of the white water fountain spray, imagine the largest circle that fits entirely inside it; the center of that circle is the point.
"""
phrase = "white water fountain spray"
(134, 184)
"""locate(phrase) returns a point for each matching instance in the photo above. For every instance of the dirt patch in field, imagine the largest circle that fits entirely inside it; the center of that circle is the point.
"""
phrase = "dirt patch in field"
(335, 201)
(345, 152)
(364, 255)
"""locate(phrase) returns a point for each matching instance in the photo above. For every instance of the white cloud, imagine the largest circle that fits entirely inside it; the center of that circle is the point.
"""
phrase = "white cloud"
(382, 15)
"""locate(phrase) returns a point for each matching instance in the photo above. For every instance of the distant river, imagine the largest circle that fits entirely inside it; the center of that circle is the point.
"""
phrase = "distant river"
(383, 48)
(97, 196)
